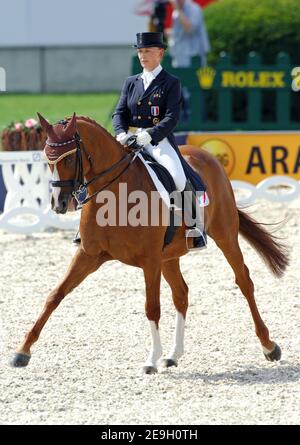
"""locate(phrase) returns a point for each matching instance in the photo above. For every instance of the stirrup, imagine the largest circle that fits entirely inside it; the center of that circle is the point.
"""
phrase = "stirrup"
(199, 239)
(77, 239)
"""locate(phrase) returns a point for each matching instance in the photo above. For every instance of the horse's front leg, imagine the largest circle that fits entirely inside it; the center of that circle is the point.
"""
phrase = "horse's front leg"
(172, 274)
(81, 266)
(152, 273)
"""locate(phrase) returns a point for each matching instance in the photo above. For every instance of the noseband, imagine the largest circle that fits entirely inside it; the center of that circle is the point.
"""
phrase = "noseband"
(79, 185)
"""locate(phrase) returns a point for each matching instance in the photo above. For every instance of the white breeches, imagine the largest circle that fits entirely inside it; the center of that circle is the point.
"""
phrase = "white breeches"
(165, 155)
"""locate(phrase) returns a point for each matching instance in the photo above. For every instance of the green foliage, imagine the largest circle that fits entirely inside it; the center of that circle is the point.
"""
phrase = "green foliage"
(265, 26)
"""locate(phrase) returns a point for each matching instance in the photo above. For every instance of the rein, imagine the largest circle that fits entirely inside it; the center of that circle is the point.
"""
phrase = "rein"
(78, 184)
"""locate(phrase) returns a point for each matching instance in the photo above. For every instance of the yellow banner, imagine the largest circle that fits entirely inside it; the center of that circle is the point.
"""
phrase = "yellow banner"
(253, 156)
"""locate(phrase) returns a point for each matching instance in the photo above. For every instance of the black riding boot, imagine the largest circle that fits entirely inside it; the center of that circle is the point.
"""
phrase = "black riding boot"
(194, 231)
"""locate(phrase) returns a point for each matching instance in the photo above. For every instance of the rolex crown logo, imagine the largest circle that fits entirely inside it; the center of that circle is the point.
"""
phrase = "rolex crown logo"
(206, 76)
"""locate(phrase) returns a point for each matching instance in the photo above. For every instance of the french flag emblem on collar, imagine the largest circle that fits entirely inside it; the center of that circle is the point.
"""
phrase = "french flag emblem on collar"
(154, 111)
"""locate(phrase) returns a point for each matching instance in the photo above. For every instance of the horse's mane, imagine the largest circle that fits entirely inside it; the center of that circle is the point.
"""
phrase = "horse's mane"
(93, 122)
(103, 130)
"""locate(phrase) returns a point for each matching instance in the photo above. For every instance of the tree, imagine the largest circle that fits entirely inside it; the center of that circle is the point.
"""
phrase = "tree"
(265, 26)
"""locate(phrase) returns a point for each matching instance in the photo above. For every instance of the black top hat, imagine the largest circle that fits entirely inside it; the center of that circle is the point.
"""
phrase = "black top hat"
(150, 40)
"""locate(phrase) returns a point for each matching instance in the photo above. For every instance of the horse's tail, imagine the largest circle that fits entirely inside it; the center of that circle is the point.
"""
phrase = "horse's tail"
(272, 252)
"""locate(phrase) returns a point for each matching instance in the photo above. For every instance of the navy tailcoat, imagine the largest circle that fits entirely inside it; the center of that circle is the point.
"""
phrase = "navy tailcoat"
(157, 109)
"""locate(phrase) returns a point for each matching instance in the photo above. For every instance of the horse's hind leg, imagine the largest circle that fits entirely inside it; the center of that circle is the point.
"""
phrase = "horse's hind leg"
(82, 265)
(172, 274)
(234, 256)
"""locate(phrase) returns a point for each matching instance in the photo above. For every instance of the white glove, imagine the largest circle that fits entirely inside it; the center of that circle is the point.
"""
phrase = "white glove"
(123, 137)
(143, 138)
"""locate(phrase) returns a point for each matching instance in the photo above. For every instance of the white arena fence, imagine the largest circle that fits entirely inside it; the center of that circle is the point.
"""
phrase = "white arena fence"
(26, 207)
(25, 194)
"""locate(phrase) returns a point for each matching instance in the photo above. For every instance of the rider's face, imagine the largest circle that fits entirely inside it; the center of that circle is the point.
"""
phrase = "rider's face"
(150, 58)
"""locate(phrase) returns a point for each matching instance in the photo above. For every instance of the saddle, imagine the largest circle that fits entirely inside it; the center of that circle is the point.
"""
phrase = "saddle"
(168, 182)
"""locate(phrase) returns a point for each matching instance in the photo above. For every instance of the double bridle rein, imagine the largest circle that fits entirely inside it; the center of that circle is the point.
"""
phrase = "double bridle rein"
(79, 185)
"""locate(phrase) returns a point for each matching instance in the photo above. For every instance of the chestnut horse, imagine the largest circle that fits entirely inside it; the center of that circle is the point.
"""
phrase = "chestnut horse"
(103, 163)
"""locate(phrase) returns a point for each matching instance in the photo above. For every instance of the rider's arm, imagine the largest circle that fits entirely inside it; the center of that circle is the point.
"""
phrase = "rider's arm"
(121, 116)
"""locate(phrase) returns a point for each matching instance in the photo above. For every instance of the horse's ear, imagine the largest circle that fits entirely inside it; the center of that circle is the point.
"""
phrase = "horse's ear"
(44, 123)
(71, 127)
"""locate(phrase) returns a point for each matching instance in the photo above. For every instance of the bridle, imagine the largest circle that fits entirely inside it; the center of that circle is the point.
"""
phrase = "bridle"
(79, 185)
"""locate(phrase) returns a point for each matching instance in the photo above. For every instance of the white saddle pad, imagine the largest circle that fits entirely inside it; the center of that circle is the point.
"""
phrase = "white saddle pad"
(158, 184)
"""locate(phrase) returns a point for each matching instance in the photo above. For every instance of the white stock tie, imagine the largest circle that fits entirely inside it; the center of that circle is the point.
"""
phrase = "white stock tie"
(147, 79)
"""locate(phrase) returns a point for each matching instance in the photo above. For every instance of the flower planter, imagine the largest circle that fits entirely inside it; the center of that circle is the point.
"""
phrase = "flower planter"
(23, 136)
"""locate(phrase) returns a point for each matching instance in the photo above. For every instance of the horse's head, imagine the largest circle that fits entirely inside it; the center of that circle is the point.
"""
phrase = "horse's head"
(63, 153)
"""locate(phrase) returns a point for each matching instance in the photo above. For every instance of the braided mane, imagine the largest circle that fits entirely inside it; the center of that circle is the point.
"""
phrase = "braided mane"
(92, 121)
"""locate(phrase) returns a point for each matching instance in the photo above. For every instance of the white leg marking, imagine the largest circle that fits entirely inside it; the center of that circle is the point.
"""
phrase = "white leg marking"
(178, 347)
(267, 351)
(156, 349)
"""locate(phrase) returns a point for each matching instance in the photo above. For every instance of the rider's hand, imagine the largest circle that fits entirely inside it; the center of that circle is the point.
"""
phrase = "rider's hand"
(143, 138)
(123, 137)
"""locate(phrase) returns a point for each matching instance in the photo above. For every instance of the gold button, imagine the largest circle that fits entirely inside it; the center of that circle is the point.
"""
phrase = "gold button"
(149, 103)
(139, 117)
(139, 103)
(149, 117)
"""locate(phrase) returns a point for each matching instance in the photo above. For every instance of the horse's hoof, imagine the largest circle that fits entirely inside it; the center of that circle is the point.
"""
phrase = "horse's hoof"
(274, 355)
(20, 360)
(168, 362)
(149, 370)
